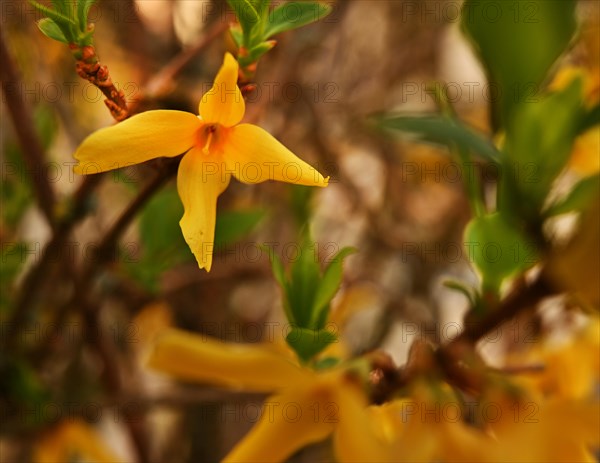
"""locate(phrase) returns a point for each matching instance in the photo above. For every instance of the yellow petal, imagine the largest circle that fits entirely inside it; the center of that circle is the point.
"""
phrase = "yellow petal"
(73, 437)
(253, 156)
(356, 438)
(142, 137)
(585, 158)
(289, 422)
(198, 358)
(223, 103)
(199, 182)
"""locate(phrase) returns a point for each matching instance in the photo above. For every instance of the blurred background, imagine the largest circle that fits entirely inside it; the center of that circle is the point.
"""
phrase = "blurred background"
(401, 204)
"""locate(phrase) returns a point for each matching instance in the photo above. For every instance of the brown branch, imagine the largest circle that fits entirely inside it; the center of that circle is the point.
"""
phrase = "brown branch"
(457, 362)
(89, 68)
(33, 151)
(33, 283)
(522, 297)
(167, 169)
(162, 81)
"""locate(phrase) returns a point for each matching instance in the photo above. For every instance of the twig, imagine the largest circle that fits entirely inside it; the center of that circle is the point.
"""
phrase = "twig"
(34, 279)
(89, 68)
(522, 297)
(457, 361)
(161, 82)
(104, 250)
(33, 152)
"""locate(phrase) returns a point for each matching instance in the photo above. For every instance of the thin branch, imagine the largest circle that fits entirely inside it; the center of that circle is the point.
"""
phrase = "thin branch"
(33, 283)
(104, 250)
(457, 362)
(33, 151)
(161, 82)
(89, 68)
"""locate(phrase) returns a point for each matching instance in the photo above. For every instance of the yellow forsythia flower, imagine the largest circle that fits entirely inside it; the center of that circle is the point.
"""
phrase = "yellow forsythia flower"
(72, 438)
(585, 158)
(307, 406)
(216, 146)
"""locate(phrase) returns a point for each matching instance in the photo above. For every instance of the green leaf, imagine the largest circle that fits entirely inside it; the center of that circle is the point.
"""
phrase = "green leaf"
(21, 384)
(442, 131)
(16, 193)
(327, 363)
(329, 284)
(163, 246)
(307, 342)
(539, 142)
(518, 42)
(159, 229)
(304, 281)
(231, 226)
(590, 119)
(498, 249)
(461, 288)
(293, 15)
(260, 49)
(13, 257)
(50, 29)
(247, 16)
(300, 203)
(579, 197)
(280, 277)
(237, 35)
(83, 8)
(65, 23)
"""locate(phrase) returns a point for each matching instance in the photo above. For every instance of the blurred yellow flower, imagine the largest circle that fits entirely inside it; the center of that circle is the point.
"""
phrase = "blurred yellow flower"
(571, 370)
(216, 146)
(554, 431)
(585, 158)
(307, 406)
(72, 439)
(419, 428)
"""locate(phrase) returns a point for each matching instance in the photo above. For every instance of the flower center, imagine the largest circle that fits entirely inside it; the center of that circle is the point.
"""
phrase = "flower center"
(209, 138)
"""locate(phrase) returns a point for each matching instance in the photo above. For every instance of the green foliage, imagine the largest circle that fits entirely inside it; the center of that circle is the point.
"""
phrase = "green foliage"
(498, 249)
(258, 24)
(163, 246)
(539, 142)
(518, 42)
(328, 287)
(300, 202)
(67, 21)
(246, 13)
(582, 194)
(50, 29)
(232, 226)
(16, 192)
(307, 294)
(21, 387)
(292, 15)
(442, 131)
(13, 257)
(590, 119)
(308, 342)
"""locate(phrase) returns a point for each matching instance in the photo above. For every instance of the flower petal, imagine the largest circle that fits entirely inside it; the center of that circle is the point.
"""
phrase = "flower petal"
(223, 103)
(289, 422)
(72, 438)
(199, 183)
(200, 358)
(356, 439)
(253, 156)
(142, 137)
